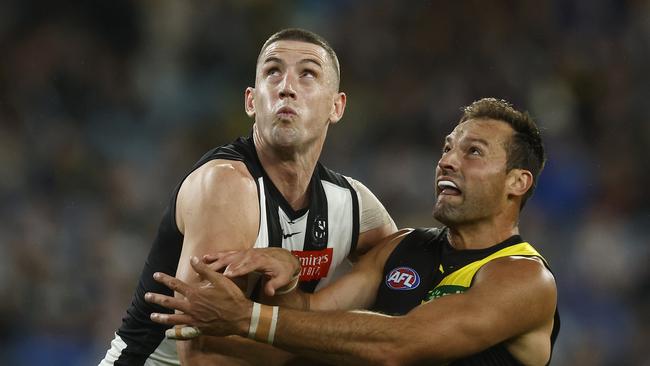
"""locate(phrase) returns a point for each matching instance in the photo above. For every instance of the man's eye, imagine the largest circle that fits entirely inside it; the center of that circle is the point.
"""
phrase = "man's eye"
(445, 149)
(274, 71)
(309, 74)
(475, 151)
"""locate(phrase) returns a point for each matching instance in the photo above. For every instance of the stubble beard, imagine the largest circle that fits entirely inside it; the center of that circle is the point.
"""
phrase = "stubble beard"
(446, 214)
(456, 214)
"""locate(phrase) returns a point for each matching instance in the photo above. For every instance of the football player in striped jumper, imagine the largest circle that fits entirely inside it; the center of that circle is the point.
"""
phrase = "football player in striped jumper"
(473, 292)
(264, 190)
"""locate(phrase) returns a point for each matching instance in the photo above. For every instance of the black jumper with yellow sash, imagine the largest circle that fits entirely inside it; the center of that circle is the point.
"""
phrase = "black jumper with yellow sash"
(424, 267)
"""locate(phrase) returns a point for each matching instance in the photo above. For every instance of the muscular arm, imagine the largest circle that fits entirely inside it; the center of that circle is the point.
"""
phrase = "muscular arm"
(206, 213)
(358, 288)
(216, 210)
(510, 298)
(355, 290)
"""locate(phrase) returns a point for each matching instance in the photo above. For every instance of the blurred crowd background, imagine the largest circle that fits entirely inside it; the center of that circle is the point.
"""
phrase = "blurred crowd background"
(104, 105)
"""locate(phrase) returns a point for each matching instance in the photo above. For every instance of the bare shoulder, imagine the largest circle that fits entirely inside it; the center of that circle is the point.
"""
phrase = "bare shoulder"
(220, 174)
(525, 280)
(518, 269)
(217, 185)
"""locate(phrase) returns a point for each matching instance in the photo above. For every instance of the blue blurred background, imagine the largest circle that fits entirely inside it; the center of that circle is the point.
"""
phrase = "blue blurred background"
(105, 105)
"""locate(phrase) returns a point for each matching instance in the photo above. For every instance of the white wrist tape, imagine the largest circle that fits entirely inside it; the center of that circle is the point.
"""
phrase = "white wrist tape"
(255, 318)
(264, 320)
(274, 323)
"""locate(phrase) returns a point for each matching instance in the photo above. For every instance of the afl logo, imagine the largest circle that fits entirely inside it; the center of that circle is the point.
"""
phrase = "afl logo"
(403, 278)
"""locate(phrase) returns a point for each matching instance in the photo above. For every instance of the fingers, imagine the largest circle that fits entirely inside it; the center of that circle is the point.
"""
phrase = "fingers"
(171, 282)
(205, 271)
(182, 333)
(240, 269)
(209, 258)
(168, 302)
(245, 262)
(269, 288)
(281, 286)
(172, 319)
(239, 263)
(216, 266)
(275, 283)
(270, 261)
(222, 260)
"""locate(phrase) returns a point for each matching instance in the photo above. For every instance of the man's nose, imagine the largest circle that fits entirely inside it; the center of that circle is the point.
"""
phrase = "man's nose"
(286, 86)
(448, 161)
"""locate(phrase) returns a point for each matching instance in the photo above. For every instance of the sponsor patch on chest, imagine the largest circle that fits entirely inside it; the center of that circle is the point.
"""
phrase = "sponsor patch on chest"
(403, 278)
(444, 290)
(315, 263)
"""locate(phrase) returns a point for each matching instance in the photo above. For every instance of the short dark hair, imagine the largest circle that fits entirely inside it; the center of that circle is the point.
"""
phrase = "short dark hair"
(525, 150)
(303, 35)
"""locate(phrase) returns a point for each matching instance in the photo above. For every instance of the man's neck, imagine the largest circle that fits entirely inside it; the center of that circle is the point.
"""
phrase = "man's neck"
(290, 171)
(481, 235)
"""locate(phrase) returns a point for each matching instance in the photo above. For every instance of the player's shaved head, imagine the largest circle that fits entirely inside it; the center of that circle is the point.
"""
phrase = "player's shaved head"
(303, 35)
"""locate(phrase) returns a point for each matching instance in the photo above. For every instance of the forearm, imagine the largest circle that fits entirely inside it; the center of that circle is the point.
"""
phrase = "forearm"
(196, 352)
(336, 337)
(234, 350)
(345, 338)
(193, 352)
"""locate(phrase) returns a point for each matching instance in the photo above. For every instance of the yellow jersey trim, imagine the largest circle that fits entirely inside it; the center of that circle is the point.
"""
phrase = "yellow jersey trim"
(460, 280)
(465, 275)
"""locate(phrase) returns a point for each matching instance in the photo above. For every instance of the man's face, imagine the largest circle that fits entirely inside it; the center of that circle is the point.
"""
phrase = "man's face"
(471, 174)
(296, 94)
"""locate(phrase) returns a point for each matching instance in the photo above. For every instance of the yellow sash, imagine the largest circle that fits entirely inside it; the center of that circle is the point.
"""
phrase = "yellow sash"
(460, 280)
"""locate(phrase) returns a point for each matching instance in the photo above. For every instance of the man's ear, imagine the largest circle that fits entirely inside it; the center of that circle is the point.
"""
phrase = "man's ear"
(249, 101)
(518, 182)
(338, 107)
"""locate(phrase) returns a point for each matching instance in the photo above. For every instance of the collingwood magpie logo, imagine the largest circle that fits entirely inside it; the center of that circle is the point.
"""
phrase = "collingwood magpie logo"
(319, 232)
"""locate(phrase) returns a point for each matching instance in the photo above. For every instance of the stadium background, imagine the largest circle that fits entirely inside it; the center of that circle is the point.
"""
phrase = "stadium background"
(104, 105)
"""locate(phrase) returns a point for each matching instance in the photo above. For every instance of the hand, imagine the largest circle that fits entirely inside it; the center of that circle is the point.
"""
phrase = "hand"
(217, 308)
(279, 266)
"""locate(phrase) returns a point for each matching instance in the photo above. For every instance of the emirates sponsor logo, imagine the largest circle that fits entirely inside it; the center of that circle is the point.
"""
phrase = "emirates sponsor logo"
(315, 263)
